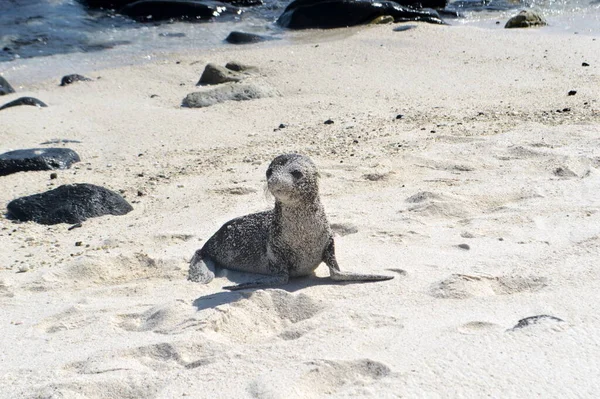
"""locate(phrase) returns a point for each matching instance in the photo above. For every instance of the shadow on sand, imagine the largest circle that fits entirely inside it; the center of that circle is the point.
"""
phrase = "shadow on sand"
(225, 297)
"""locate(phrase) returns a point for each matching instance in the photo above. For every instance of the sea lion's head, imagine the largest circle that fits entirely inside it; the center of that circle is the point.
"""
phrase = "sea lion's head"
(293, 179)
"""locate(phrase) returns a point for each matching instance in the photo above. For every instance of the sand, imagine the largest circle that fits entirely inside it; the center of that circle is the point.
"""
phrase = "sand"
(481, 200)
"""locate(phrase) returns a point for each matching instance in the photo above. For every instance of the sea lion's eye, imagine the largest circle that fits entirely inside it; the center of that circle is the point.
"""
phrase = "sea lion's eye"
(269, 172)
(297, 174)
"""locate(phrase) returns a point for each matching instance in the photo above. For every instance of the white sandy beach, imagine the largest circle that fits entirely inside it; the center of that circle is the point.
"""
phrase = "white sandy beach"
(480, 157)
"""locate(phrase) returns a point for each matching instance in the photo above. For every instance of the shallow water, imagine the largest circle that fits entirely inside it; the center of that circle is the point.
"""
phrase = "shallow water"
(40, 39)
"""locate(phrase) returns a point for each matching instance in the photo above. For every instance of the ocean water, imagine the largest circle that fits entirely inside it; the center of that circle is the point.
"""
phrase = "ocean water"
(40, 39)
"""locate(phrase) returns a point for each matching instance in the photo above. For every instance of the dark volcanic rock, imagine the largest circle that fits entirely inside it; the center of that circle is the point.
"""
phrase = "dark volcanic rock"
(403, 28)
(160, 10)
(37, 159)
(5, 87)
(24, 101)
(68, 79)
(214, 74)
(236, 37)
(228, 92)
(525, 19)
(326, 14)
(240, 67)
(71, 203)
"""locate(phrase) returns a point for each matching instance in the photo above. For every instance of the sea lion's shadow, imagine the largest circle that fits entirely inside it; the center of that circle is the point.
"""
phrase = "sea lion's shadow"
(221, 298)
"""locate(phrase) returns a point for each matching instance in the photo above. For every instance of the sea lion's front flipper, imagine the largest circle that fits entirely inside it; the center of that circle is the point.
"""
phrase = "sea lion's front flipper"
(267, 282)
(338, 275)
(199, 272)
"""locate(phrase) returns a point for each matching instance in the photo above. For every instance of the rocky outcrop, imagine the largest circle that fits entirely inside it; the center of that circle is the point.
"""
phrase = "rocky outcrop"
(525, 19)
(161, 10)
(228, 92)
(214, 74)
(5, 87)
(326, 14)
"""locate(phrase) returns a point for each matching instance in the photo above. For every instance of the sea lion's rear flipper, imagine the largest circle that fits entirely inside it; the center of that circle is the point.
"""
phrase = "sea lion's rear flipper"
(349, 276)
(267, 282)
(199, 272)
(338, 275)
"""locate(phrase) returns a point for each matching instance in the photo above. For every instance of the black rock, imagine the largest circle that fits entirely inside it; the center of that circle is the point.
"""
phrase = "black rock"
(403, 28)
(236, 37)
(71, 203)
(24, 101)
(228, 92)
(5, 87)
(572, 92)
(37, 159)
(214, 74)
(585, 64)
(239, 67)
(328, 122)
(528, 321)
(68, 79)
(327, 14)
(161, 10)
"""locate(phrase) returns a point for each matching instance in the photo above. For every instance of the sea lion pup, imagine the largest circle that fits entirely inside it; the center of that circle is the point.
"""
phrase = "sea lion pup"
(290, 240)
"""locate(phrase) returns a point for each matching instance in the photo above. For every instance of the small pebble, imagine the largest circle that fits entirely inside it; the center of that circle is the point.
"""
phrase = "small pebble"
(572, 92)
(53, 176)
(584, 64)
(328, 122)
(23, 268)
(282, 125)
(78, 243)
(75, 226)
(464, 246)
(399, 116)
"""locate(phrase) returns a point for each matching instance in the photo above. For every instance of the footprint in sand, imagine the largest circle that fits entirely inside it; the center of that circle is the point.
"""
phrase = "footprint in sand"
(162, 356)
(94, 270)
(437, 205)
(97, 386)
(5, 290)
(264, 313)
(73, 318)
(318, 378)
(461, 286)
(171, 318)
(478, 327)
(146, 368)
